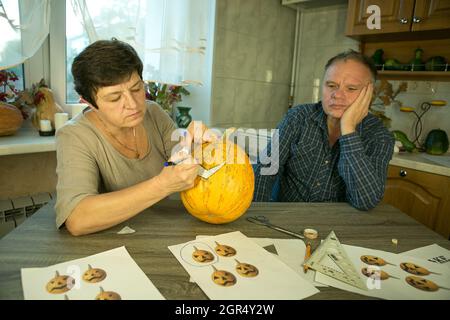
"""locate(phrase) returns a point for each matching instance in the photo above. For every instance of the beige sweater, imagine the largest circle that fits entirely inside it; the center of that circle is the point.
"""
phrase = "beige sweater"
(87, 164)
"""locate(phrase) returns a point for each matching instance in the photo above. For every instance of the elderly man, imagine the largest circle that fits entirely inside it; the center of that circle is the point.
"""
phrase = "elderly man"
(333, 150)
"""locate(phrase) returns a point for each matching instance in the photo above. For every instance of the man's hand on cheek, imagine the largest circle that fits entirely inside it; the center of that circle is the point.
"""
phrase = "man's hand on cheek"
(357, 111)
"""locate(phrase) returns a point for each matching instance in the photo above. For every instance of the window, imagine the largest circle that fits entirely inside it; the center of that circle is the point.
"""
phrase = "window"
(68, 38)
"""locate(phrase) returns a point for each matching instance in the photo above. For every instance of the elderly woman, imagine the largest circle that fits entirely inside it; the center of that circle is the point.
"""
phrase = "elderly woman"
(110, 158)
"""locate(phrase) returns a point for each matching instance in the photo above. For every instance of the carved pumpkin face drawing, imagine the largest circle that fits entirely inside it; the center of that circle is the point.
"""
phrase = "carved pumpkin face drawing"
(224, 251)
(374, 273)
(93, 275)
(422, 284)
(107, 295)
(246, 270)
(374, 261)
(414, 269)
(202, 255)
(223, 278)
(60, 284)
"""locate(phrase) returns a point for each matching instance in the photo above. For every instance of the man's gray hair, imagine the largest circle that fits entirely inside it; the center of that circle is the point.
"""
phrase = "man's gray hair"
(355, 56)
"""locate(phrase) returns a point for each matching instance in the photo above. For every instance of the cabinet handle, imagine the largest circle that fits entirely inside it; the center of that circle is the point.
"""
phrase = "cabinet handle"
(403, 21)
(403, 173)
(417, 19)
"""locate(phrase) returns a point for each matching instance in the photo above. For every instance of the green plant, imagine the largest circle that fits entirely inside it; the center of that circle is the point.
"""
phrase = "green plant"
(165, 94)
(7, 86)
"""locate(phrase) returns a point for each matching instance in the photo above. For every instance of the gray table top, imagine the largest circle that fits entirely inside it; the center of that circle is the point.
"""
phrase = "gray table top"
(37, 242)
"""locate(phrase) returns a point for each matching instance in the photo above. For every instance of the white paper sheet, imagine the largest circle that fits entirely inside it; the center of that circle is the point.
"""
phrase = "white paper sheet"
(392, 288)
(433, 253)
(284, 283)
(290, 251)
(123, 276)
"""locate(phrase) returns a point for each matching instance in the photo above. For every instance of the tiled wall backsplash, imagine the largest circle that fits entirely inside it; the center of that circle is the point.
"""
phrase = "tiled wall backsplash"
(254, 44)
(322, 37)
(417, 93)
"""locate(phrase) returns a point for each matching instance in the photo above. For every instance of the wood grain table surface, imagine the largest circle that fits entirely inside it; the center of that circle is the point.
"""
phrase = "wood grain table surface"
(37, 242)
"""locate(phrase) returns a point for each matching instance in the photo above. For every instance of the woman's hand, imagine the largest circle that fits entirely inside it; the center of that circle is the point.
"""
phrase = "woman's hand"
(178, 177)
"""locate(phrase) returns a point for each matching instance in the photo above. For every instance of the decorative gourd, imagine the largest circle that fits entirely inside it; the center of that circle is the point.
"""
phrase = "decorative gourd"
(45, 108)
(10, 119)
(436, 142)
(228, 193)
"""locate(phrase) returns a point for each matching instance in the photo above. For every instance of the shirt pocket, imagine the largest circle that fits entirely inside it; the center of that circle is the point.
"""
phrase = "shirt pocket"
(304, 160)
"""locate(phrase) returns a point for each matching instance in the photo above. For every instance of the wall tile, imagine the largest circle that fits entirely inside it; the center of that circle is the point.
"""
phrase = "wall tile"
(244, 105)
(249, 13)
(263, 103)
(226, 55)
(224, 95)
(228, 14)
(265, 60)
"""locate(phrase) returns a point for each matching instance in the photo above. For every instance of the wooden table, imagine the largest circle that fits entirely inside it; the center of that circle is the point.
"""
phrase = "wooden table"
(37, 242)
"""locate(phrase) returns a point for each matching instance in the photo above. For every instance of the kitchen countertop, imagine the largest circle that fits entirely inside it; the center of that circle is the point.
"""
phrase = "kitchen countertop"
(423, 162)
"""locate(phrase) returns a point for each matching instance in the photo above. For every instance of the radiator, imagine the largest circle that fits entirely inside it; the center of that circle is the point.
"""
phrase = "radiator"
(14, 211)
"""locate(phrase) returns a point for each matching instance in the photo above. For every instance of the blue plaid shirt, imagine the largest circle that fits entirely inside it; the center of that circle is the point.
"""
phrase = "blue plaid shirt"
(354, 169)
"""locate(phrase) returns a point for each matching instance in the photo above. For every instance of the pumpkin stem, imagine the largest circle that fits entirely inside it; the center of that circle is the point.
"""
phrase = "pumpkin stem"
(57, 273)
(89, 266)
(101, 290)
(215, 269)
(237, 261)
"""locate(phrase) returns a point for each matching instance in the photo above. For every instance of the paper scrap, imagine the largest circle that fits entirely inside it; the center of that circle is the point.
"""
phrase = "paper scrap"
(126, 230)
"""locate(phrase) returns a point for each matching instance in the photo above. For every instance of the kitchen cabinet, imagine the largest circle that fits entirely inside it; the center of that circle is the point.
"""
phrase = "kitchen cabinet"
(423, 196)
(399, 16)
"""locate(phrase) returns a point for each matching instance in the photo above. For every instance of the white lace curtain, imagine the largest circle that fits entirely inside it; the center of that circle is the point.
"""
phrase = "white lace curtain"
(24, 25)
(169, 35)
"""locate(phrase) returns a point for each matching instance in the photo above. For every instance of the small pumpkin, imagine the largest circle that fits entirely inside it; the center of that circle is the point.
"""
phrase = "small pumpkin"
(223, 278)
(373, 273)
(228, 193)
(60, 284)
(415, 269)
(202, 255)
(224, 250)
(422, 284)
(246, 269)
(108, 295)
(10, 119)
(374, 261)
(93, 275)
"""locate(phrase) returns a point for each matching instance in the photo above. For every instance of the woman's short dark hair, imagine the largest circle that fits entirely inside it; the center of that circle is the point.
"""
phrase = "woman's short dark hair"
(355, 56)
(104, 63)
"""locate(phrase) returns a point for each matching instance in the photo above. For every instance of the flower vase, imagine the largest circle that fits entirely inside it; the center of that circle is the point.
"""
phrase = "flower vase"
(183, 117)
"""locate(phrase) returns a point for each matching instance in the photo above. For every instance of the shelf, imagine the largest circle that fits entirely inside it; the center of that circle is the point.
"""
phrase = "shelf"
(26, 140)
(414, 75)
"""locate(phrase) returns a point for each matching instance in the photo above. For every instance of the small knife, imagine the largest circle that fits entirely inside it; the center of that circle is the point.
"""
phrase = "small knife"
(202, 172)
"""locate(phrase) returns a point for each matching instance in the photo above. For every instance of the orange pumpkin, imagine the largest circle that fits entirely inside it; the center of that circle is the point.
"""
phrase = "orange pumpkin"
(228, 193)
(10, 119)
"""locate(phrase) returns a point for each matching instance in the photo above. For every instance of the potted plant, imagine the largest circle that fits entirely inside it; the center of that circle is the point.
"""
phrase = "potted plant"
(165, 94)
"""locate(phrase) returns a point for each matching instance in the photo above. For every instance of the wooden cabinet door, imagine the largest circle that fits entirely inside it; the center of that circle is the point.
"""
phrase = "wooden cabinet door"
(431, 15)
(396, 16)
(423, 196)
